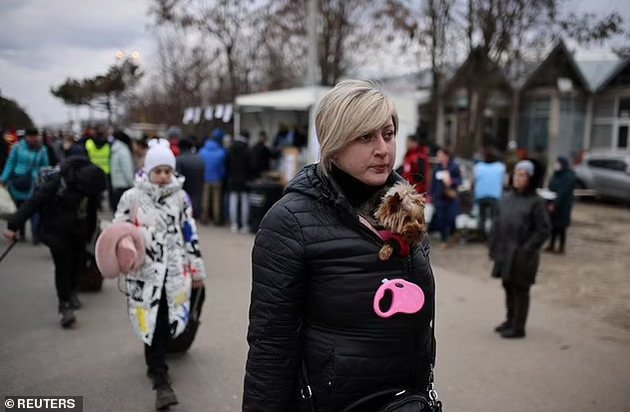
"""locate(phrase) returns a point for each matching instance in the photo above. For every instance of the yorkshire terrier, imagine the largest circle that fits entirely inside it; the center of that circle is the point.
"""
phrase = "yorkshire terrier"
(401, 214)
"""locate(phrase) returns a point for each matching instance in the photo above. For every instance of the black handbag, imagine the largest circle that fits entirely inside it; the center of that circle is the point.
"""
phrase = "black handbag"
(90, 278)
(389, 399)
(184, 340)
(22, 182)
(394, 400)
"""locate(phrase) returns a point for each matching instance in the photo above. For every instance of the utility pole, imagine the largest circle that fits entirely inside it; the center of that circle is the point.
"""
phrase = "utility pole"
(311, 28)
(312, 76)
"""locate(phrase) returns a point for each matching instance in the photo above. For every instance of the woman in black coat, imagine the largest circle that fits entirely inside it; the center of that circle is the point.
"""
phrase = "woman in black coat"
(518, 234)
(316, 270)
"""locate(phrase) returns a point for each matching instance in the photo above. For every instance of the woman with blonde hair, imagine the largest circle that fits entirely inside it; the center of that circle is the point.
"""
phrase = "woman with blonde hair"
(316, 339)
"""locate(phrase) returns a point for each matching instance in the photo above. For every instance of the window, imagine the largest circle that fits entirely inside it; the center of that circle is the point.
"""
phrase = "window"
(624, 107)
(609, 164)
(604, 107)
(622, 138)
(601, 136)
(540, 107)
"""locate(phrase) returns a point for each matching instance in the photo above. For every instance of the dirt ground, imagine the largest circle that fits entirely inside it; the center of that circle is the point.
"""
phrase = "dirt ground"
(593, 277)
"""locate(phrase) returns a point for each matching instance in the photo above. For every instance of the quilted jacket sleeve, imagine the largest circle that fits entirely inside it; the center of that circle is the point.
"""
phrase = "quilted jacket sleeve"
(275, 315)
(43, 196)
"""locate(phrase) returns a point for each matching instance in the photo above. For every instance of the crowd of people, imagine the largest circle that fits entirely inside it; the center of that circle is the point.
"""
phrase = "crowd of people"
(318, 339)
(512, 218)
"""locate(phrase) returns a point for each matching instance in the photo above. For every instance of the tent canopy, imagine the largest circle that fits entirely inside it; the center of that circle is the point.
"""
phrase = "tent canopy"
(262, 111)
(299, 98)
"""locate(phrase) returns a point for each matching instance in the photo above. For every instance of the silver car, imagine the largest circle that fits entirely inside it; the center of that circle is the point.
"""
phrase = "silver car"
(607, 175)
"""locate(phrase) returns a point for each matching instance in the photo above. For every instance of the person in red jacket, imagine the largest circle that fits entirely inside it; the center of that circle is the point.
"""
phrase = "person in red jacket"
(174, 134)
(416, 166)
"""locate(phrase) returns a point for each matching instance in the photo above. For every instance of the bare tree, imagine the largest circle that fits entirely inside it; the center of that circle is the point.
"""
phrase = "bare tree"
(345, 34)
(184, 76)
(429, 25)
(230, 24)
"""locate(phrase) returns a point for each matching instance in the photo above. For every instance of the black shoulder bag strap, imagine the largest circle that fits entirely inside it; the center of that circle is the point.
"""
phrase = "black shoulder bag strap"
(431, 392)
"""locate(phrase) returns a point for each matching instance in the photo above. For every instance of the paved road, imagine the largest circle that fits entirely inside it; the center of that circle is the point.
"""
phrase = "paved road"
(567, 363)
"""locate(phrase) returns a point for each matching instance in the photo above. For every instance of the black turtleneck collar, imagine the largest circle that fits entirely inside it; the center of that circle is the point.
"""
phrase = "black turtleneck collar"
(353, 189)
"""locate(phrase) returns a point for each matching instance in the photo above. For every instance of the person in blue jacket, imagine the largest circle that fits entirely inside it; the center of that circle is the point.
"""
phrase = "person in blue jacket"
(213, 154)
(20, 171)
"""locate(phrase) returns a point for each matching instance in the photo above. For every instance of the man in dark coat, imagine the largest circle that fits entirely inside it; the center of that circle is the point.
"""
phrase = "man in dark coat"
(563, 184)
(67, 204)
(520, 229)
(261, 156)
(239, 173)
(192, 167)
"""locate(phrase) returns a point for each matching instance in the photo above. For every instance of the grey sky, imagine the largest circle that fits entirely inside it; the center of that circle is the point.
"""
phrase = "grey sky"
(45, 41)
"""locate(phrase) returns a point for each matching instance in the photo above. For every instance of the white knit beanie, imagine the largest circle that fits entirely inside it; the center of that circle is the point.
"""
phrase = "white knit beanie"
(159, 154)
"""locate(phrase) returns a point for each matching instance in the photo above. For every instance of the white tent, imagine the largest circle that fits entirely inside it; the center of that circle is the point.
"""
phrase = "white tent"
(263, 111)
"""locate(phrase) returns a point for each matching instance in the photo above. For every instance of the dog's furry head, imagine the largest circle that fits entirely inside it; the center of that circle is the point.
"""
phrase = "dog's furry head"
(402, 211)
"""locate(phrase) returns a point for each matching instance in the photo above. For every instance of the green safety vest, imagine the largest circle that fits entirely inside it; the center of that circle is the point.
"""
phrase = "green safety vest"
(100, 157)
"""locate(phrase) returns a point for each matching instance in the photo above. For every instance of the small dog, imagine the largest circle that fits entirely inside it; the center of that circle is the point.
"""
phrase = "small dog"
(401, 213)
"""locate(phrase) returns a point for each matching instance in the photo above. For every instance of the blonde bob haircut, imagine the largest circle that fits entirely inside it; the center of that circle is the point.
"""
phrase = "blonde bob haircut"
(348, 111)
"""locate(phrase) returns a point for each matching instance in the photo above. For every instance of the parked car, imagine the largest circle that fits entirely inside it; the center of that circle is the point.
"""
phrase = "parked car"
(608, 175)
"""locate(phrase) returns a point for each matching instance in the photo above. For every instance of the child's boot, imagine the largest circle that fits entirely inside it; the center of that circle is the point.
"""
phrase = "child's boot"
(66, 314)
(164, 394)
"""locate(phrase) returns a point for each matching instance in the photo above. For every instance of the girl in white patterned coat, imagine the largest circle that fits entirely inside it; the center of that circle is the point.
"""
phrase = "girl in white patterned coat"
(159, 292)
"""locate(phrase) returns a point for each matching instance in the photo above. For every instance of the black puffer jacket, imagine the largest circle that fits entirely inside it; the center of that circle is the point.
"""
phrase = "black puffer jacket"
(67, 202)
(315, 272)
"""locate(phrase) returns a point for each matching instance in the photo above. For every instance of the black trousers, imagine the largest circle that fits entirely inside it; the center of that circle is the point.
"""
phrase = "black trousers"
(560, 233)
(155, 354)
(68, 253)
(517, 304)
(488, 208)
(34, 223)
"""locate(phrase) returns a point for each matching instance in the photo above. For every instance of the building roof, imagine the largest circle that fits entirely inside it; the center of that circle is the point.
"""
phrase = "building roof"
(481, 72)
(620, 72)
(596, 71)
(551, 68)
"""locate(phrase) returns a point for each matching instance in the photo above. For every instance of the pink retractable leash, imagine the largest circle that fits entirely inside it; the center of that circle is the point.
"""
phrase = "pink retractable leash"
(407, 297)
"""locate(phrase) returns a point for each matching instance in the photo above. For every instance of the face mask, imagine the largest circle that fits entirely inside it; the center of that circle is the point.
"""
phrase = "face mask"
(407, 297)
